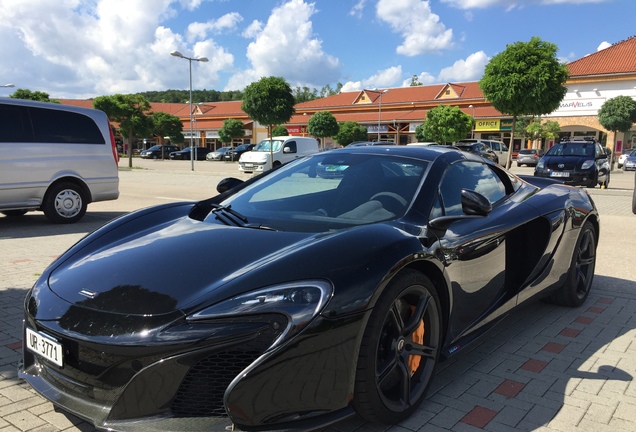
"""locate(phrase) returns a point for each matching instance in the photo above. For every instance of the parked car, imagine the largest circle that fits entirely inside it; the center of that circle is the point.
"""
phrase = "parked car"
(217, 154)
(626, 153)
(498, 148)
(272, 152)
(327, 296)
(630, 162)
(370, 143)
(577, 162)
(479, 149)
(235, 155)
(55, 158)
(158, 152)
(528, 157)
(200, 153)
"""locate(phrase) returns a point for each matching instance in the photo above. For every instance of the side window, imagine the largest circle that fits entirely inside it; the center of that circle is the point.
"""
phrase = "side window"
(14, 124)
(495, 146)
(291, 145)
(57, 126)
(469, 175)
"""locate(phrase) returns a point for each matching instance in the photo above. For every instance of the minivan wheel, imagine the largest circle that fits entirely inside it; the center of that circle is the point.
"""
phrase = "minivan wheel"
(64, 203)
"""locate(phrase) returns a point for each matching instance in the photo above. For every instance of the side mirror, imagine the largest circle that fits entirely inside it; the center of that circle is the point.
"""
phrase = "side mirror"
(228, 183)
(287, 150)
(474, 203)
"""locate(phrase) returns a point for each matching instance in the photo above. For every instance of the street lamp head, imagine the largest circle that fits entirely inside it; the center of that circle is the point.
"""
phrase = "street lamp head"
(8, 85)
(202, 59)
(176, 54)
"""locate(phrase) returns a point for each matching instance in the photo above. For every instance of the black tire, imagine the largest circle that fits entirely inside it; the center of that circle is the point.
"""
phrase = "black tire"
(14, 213)
(399, 350)
(634, 197)
(605, 184)
(518, 164)
(64, 203)
(581, 274)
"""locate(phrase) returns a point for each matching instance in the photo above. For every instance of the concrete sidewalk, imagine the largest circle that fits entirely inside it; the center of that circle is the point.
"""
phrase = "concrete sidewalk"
(545, 368)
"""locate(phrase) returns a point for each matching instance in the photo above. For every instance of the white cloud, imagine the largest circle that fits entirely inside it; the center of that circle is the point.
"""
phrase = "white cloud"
(413, 20)
(603, 45)
(252, 30)
(102, 47)
(227, 22)
(381, 79)
(287, 47)
(470, 69)
(357, 9)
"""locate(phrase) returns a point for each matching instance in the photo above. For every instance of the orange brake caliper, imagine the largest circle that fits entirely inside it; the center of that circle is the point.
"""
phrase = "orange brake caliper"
(418, 338)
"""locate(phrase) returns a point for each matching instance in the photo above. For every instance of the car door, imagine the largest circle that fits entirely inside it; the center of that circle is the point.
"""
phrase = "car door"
(474, 249)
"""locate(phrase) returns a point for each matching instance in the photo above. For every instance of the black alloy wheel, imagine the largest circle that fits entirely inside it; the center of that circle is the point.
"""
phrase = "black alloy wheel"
(579, 279)
(399, 351)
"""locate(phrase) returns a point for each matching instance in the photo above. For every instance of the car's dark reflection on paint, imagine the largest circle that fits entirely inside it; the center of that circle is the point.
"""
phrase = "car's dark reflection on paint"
(306, 297)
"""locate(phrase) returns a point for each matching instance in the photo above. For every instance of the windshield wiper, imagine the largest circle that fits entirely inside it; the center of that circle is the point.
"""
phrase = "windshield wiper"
(229, 216)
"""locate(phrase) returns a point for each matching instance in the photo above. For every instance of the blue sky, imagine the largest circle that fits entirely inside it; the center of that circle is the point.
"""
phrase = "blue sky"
(82, 49)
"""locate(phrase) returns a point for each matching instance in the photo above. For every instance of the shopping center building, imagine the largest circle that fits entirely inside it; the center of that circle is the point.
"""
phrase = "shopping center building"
(393, 114)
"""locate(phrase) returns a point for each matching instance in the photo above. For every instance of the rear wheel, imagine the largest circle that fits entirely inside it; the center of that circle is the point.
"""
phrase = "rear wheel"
(64, 203)
(579, 278)
(399, 351)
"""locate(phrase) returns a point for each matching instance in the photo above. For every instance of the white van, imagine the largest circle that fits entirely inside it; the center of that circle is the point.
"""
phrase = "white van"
(55, 158)
(282, 148)
(500, 149)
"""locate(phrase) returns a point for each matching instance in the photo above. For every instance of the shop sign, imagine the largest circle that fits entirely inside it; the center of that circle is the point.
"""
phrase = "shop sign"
(293, 129)
(488, 125)
(505, 125)
(576, 106)
(374, 129)
(413, 126)
(196, 134)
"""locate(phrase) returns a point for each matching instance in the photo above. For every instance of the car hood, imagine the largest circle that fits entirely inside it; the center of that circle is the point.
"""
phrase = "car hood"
(167, 267)
(568, 162)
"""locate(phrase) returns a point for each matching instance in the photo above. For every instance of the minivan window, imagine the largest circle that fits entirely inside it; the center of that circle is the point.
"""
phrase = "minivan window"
(51, 126)
(265, 145)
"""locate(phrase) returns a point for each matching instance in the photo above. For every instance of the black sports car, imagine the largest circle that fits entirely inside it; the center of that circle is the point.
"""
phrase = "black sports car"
(308, 298)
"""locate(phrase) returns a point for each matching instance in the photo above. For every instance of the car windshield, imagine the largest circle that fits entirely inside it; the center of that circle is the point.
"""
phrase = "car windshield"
(330, 190)
(156, 147)
(572, 149)
(266, 145)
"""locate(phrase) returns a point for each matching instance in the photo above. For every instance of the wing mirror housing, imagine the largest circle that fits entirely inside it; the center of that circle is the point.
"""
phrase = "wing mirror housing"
(228, 183)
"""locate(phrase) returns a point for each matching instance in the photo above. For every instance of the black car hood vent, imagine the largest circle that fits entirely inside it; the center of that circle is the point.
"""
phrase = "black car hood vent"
(166, 268)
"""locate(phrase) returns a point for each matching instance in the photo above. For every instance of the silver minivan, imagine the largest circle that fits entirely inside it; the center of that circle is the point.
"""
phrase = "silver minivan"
(55, 158)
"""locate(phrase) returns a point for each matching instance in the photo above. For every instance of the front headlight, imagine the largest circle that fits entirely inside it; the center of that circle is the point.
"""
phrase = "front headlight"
(541, 165)
(299, 301)
(587, 164)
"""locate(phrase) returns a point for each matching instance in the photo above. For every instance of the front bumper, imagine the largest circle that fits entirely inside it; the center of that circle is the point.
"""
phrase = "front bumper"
(573, 178)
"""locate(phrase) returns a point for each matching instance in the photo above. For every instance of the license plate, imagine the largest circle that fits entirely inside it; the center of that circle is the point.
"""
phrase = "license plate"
(44, 346)
(559, 174)
(248, 166)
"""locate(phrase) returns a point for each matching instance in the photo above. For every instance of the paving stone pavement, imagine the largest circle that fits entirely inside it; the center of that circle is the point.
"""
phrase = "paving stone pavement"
(544, 368)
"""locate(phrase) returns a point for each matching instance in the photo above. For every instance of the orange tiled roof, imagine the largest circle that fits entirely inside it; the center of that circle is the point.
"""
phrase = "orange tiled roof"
(619, 58)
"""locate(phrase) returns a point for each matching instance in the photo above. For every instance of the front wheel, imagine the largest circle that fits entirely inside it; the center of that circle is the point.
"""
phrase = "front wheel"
(64, 203)
(581, 273)
(399, 351)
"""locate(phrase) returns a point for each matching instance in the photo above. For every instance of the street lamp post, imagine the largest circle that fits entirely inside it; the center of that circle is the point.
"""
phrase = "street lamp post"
(190, 59)
(380, 112)
(472, 132)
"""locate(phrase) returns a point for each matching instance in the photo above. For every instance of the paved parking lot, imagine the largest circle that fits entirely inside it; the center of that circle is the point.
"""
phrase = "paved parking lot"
(545, 368)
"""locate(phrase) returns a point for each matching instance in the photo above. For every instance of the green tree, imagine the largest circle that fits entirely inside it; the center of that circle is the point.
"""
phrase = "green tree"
(131, 112)
(232, 128)
(415, 81)
(269, 101)
(537, 130)
(305, 94)
(445, 124)
(33, 95)
(349, 132)
(525, 79)
(419, 134)
(280, 131)
(322, 125)
(617, 114)
(164, 124)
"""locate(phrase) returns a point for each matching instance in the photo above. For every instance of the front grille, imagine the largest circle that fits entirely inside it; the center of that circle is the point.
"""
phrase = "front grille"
(201, 391)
